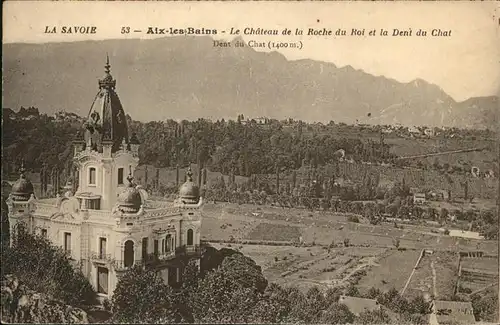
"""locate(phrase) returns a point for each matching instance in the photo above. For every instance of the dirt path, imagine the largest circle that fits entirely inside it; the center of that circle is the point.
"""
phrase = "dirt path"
(412, 273)
(434, 287)
(370, 262)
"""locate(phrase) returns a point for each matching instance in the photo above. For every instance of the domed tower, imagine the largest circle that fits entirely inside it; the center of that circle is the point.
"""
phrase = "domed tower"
(106, 121)
(189, 192)
(104, 151)
(130, 200)
(22, 188)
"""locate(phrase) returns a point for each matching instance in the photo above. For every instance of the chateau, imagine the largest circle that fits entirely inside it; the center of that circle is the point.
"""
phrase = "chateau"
(104, 221)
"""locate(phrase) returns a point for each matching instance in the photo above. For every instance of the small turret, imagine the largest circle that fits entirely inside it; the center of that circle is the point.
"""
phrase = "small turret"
(130, 200)
(22, 189)
(189, 192)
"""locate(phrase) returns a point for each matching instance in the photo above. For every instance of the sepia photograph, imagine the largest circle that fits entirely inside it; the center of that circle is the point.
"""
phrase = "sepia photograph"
(250, 162)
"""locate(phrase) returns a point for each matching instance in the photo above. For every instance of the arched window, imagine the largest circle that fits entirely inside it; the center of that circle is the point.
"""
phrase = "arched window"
(120, 176)
(128, 258)
(169, 243)
(190, 237)
(92, 176)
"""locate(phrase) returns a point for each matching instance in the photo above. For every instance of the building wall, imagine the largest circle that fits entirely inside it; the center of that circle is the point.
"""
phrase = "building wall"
(86, 234)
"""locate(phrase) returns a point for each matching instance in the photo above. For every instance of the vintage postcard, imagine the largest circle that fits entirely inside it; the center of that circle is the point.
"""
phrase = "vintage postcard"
(250, 162)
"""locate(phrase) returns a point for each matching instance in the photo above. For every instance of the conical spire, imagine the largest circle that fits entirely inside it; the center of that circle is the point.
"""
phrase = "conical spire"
(69, 184)
(22, 170)
(107, 81)
(130, 178)
(189, 174)
(107, 66)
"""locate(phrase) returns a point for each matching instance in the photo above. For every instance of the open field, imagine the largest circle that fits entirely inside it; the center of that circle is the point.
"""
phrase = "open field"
(241, 221)
(478, 273)
(325, 261)
(392, 270)
(305, 267)
(445, 265)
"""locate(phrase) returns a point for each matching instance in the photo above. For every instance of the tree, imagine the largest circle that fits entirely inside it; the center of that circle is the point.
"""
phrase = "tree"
(315, 304)
(443, 215)
(373, 317)
(352, 291)
(419, 305)
(332, 295)
(485, 306)
(394, 301)
(337, 314)
(142, 296)
(273, 306)
(396, 242)
(45, 268)
(189, 287)
(4, 225)
(373, 293)
(298, 306)
(218, 298)
(244, 271)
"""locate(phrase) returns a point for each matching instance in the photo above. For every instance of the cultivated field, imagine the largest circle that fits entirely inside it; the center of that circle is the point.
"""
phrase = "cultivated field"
(391, 271)
(478, 273)
(370, 260)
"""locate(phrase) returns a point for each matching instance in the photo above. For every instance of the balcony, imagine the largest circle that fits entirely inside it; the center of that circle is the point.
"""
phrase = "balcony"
(158, 259)
(120, 266)
(189, 250)
(167, 256)
(195, 249)
(101, 258)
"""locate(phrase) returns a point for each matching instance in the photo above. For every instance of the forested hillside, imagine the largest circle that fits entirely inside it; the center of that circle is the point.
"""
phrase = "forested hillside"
(224, 146)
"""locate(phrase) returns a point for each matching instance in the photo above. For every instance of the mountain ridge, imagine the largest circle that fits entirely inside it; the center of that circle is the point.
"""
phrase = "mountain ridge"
(186, 77)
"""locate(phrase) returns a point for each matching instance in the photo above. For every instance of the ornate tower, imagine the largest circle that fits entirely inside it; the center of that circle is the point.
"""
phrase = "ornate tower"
(20, 201)
(105, 153)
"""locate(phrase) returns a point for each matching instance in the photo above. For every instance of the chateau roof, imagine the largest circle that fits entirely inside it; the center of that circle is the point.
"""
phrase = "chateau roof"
(106, 120)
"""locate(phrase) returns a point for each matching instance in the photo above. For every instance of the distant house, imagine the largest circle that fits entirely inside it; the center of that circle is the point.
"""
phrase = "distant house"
(414, 130)
(358, 305)
(489, 174)
(430, 132)
(419, 198)
(465, 234)
(414, 190)
(452, 312)
(260, 120)
(440, 195)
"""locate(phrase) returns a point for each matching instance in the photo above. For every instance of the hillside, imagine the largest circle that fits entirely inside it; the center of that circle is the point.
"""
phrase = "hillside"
(183, 77)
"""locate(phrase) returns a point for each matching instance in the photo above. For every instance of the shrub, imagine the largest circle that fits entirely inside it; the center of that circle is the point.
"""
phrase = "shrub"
(353, 219)
(135, 291)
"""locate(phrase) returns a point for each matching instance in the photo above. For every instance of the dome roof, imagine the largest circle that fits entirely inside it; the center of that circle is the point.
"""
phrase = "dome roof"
(130, 200)
(189, 192)
(106, 120)
(22, 188)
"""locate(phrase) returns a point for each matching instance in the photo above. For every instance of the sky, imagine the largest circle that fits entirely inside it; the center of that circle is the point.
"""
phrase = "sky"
(465, 64)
